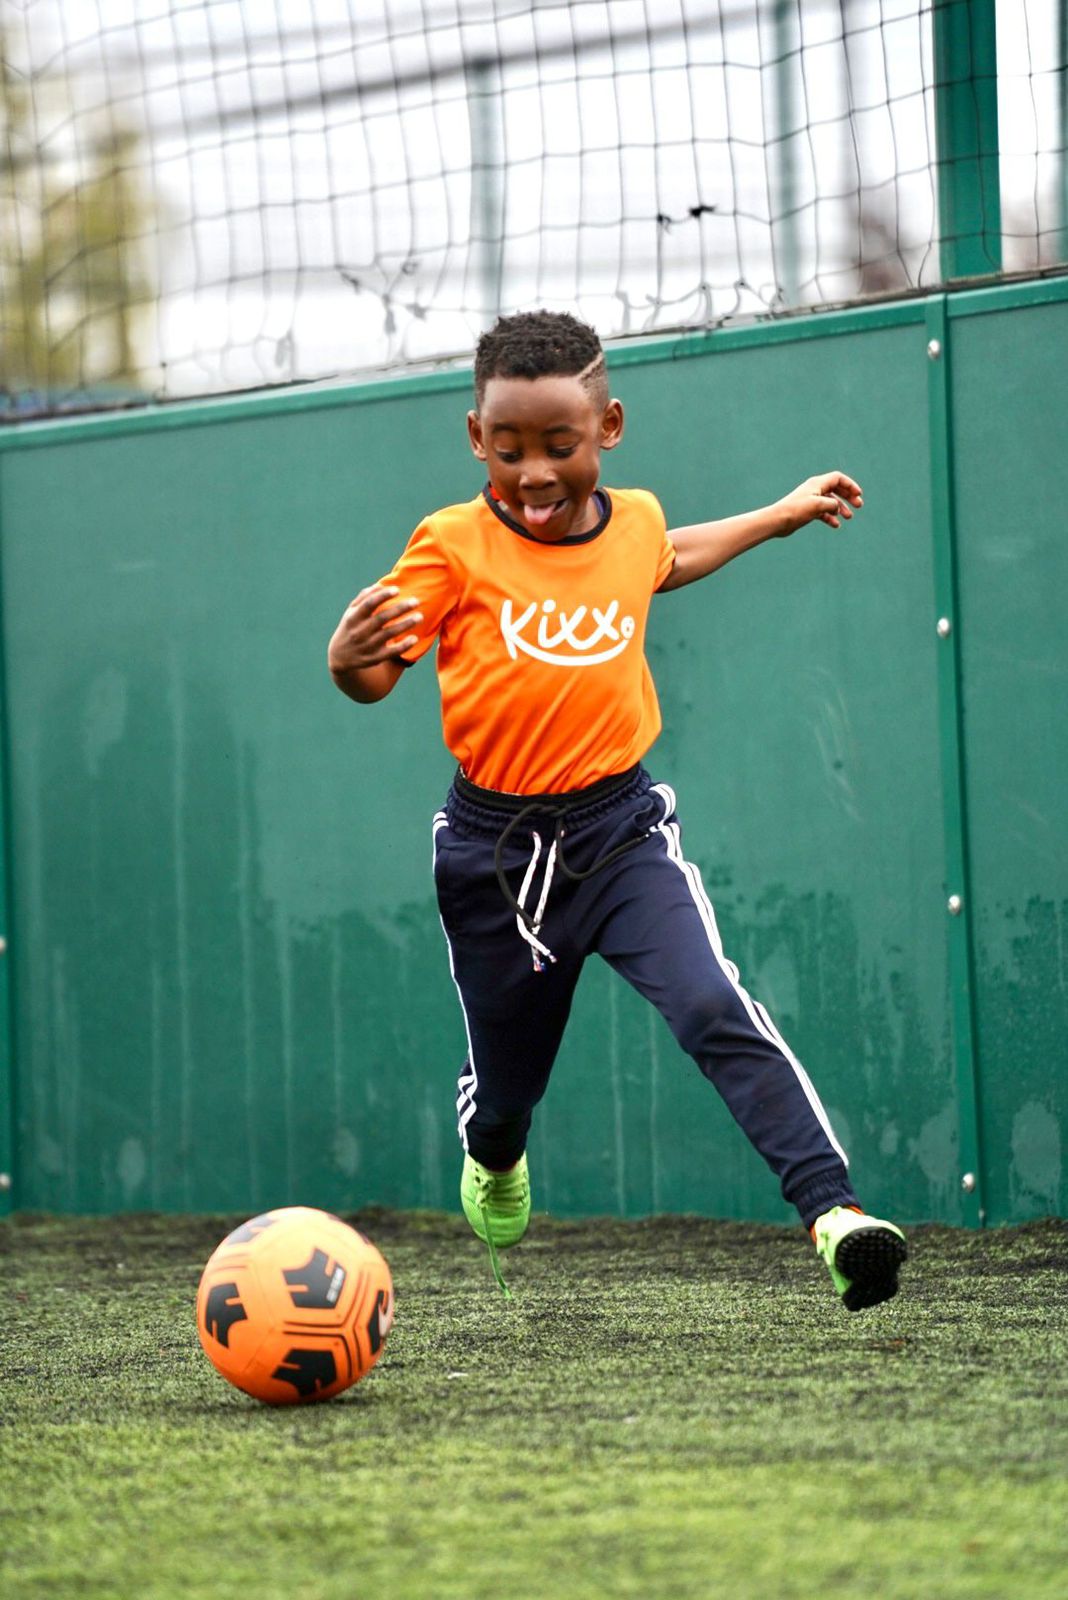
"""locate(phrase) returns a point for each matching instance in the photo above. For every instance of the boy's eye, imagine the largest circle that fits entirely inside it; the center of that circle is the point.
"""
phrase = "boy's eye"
(508, 455)
(561, 451)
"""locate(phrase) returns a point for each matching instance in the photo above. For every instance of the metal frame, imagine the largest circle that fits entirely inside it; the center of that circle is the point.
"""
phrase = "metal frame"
(966, 137)
(1062, 108)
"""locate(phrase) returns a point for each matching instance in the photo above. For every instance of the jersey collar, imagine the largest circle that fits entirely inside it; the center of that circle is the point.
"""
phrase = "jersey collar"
(600, 495)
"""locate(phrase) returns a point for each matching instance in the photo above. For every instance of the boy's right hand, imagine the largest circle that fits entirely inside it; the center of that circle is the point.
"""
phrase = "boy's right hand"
(376, 627)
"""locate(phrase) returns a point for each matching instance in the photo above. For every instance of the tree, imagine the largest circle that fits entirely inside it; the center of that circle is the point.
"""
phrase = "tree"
(75, 288)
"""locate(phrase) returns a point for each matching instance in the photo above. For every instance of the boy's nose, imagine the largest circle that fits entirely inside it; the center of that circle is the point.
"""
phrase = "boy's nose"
(536, 474)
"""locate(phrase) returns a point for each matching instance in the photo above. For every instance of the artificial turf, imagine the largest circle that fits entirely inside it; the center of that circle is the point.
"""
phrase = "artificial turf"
(673, 1409)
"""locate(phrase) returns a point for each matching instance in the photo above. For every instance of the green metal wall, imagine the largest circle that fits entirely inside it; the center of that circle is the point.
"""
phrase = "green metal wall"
(226, 982)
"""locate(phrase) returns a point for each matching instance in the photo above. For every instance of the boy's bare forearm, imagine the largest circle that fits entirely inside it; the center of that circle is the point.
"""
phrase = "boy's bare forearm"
(367, 684)
(704, 547)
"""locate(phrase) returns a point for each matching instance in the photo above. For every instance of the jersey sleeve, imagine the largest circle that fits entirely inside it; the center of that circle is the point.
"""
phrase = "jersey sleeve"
(665, 555)
(423, 571)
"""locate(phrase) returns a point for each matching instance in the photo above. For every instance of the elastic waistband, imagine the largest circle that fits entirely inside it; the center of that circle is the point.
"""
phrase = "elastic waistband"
(495, 800)
(487, 810)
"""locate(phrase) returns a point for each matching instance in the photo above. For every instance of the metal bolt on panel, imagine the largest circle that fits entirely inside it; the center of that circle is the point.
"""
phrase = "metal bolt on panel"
(934, 349)
(967, 1183)
(943, 627)
(954, 905)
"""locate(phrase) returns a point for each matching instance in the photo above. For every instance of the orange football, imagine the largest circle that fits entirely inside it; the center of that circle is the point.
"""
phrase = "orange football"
(294, 1306)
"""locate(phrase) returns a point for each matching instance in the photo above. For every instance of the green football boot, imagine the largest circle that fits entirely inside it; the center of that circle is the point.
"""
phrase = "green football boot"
(862, 1255)
(497, 1205)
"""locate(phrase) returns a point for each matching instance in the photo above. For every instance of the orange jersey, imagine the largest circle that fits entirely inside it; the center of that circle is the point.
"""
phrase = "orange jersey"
(541, 647)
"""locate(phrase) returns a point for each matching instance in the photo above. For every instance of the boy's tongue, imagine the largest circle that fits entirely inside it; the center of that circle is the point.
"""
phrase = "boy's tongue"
(538, 516)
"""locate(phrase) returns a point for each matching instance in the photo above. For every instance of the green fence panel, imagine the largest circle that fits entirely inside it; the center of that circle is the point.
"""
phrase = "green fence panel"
(801, 734)
(7, 1053)
(230, 978)
(1010, 402)
(230, 987)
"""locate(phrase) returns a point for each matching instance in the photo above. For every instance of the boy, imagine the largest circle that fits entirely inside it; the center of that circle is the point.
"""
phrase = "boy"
(554, 841)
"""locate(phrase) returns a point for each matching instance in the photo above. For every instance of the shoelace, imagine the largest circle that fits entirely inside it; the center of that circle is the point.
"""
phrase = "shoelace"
(529, 923)
(482, 1188)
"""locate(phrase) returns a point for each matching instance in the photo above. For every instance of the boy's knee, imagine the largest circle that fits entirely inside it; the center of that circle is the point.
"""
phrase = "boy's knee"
(708, 1017)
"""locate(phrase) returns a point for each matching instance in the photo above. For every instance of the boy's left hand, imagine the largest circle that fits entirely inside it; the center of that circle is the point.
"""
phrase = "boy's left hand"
(825, 498)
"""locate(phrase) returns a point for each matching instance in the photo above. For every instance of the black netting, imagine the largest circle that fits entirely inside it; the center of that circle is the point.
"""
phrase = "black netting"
(197, 198)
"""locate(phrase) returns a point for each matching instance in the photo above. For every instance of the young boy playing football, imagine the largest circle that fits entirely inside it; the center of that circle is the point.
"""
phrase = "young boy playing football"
(555, 842)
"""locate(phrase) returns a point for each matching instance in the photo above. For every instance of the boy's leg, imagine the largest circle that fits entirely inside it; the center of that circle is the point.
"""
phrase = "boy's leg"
(514, 1015)
(659, 931)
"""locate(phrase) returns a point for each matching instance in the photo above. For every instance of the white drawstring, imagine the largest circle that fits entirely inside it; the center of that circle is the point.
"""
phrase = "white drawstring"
(537, 949)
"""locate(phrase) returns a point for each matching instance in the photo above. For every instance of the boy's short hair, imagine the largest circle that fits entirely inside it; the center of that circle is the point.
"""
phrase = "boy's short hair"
(539, 344)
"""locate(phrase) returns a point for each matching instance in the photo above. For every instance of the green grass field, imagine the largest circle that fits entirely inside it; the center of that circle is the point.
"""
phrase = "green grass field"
(671, 1408)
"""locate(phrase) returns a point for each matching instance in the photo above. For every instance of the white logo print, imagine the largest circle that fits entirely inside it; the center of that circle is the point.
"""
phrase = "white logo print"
(603, 626)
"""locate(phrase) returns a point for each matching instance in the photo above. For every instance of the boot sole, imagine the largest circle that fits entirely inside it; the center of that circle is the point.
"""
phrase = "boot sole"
(870, 1258)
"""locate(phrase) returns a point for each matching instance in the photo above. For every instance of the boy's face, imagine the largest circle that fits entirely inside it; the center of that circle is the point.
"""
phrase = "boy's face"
(541, 439)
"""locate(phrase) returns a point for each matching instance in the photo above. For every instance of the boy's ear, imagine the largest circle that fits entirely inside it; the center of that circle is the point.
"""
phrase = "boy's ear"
(474, 434)
(612, 425)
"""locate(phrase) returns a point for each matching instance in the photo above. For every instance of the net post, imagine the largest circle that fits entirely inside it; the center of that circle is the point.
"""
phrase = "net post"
(966, 137)
(784, 236)
(1062, 111)
(487, 187)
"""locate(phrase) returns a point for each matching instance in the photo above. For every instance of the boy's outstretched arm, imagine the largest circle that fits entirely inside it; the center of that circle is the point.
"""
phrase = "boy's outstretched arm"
(367, 641)
(705, 546)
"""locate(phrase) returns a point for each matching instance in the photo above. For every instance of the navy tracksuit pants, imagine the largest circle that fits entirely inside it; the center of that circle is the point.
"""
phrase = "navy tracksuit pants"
(528, 889)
